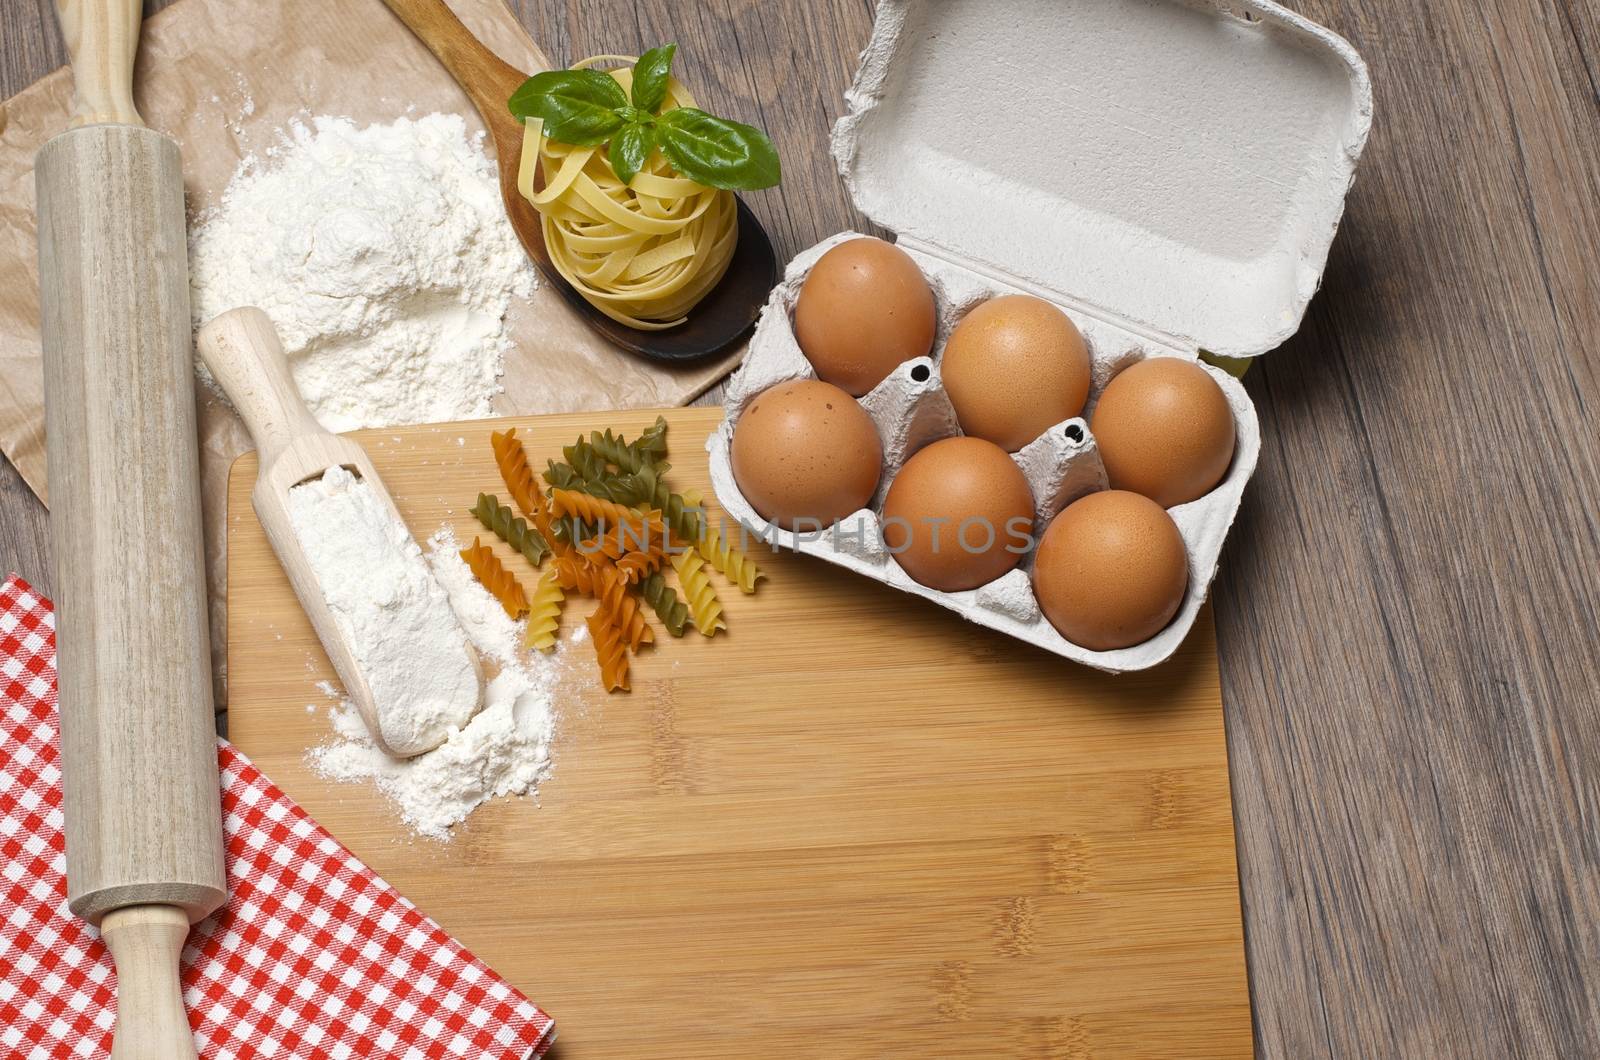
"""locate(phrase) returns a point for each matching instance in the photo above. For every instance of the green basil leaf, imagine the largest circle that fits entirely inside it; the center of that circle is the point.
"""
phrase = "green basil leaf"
(578, 107)
(717, 152)
(630, 149)
(650, 77)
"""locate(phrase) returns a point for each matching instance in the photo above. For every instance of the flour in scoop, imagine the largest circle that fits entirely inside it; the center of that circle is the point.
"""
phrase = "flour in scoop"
(393, 612)
(383, 256)
(504, 750)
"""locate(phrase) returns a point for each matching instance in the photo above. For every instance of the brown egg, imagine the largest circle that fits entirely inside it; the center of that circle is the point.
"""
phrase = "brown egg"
(805, 451)
(1164, 429)
(1111, 570)
(1014, 367)
(863, 309)
(959, 514)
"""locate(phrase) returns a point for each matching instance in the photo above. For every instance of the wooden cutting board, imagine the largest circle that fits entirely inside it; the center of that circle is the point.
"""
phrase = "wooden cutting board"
(855, 826)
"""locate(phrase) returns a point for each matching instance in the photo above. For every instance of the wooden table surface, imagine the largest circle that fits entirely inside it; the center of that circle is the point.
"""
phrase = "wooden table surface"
(1409, 605)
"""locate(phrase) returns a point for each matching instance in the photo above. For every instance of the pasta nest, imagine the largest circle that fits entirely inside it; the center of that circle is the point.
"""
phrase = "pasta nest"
(643, 253)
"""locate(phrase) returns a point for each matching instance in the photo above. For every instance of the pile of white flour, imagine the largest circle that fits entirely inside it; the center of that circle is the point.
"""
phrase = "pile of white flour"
(394, 615)
(385, 259)
(504, 750)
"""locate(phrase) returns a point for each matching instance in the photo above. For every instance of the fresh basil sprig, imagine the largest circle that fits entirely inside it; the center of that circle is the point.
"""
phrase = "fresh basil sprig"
(736, 155)
(631, 148)
(582, 105)
(650, 77)
(587, 108)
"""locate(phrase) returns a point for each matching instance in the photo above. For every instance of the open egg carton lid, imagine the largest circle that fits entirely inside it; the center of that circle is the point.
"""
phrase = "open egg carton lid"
(1170, 172)
(1179, 166)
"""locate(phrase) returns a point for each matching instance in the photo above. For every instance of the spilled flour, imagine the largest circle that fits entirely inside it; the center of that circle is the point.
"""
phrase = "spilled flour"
(383, 256)
(503, 750)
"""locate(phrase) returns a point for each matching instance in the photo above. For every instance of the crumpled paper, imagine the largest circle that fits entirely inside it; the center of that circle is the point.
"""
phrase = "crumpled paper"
(224, 78)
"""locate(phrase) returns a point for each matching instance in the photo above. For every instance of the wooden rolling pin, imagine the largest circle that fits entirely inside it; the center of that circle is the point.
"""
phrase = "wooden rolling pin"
(138, 737)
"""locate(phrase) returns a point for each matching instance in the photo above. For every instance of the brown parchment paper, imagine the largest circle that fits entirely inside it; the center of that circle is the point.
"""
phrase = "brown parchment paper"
(224, 77)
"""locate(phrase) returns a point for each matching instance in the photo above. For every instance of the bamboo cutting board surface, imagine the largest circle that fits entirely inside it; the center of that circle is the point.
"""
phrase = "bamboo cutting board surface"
(855, 825)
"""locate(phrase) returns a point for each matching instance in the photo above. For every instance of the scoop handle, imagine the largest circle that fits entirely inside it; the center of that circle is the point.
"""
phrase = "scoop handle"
(242, 351)
(145, 942)
(102, 38)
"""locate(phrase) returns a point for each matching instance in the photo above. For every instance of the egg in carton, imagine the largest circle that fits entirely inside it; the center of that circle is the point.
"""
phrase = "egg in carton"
(910, 409)
(1172, 178)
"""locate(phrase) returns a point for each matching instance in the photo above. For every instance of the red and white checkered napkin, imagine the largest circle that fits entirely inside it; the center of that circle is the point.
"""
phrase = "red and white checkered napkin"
(314, 955)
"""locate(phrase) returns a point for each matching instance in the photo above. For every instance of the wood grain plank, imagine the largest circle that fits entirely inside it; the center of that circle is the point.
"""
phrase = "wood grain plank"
(1428, 491)
(24, 530)
(939, 825)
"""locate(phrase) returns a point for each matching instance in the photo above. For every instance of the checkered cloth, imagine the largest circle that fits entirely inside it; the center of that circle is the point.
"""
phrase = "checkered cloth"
(314, 955)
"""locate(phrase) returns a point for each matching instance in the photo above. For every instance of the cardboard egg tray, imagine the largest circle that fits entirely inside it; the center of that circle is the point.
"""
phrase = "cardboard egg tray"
(910, 409)
(1169, 173)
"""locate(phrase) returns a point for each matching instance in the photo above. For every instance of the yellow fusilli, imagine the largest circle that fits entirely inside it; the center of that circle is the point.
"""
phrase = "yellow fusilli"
(698, 592)
(544, 615)
(737, 567)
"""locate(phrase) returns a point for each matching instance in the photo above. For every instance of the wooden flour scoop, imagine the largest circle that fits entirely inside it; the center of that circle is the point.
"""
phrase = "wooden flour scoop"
(241, 349)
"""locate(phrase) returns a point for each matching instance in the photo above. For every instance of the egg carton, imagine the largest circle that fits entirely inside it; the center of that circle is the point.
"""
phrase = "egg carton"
(911, 409)
(1169, 173)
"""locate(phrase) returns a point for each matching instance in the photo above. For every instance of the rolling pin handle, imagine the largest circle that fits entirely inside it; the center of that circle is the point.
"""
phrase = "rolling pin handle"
(145, 943)
(242, 351)
(102, 39)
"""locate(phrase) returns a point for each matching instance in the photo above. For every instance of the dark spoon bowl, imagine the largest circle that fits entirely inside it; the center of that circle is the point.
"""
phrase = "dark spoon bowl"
(723, 317)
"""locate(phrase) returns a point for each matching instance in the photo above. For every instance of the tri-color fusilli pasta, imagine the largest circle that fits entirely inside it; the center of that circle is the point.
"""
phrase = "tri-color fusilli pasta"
(647, 487)
(635, 566)
(585, 462)
(565, 502)
(511, 528)
(623, 607)
(731, 562)
(587, 471)
(665, 602)
(649, 537)
(704, 607)
(493, 576)
(544, 612)
(609, 650)
(512, 460)
(610, 523)
(651, 445)
(584, 574)
(595, 576)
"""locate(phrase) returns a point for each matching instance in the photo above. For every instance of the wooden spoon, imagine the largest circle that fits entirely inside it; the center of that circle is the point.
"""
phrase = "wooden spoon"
(242, 350)
(715, 323)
